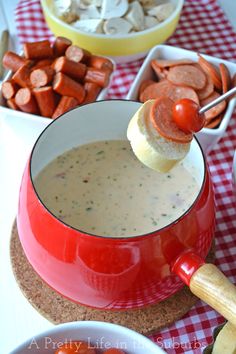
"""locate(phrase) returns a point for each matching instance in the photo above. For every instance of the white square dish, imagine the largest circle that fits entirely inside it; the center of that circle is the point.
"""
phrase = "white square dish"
(207, 137)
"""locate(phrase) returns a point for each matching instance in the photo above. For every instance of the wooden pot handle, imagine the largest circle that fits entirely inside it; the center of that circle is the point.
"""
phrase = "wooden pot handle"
(210, 285)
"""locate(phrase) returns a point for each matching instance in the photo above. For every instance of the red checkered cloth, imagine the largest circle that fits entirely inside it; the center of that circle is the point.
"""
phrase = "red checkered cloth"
(203, 27)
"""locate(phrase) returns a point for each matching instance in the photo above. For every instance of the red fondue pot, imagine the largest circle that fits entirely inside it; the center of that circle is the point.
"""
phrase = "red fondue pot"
(126, 272)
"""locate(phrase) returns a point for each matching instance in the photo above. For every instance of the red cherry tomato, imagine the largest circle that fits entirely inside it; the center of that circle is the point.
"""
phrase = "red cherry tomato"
(186, 116)
(75, 347)
(114, 351)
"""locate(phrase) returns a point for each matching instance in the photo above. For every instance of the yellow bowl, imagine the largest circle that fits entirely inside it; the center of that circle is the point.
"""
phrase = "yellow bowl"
(122, 48)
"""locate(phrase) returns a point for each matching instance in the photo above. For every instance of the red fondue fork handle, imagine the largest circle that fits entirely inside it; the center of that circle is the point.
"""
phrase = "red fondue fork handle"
(208, 283)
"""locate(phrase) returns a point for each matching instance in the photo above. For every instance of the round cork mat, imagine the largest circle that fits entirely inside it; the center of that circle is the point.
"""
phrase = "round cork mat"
(57, 309)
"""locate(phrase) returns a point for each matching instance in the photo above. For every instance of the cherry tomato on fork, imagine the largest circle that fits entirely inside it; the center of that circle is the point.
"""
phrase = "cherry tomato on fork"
(186, 116)
(75, 347)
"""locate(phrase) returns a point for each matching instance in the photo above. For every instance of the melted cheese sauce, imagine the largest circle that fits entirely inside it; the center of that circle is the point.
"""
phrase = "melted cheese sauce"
(101, 188)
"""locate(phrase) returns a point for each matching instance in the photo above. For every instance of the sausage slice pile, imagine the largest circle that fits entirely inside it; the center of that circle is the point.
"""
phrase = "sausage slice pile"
(50, 80)
(200, 81)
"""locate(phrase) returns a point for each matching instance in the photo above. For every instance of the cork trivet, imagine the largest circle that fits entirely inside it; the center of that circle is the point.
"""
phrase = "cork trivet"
(57, 309)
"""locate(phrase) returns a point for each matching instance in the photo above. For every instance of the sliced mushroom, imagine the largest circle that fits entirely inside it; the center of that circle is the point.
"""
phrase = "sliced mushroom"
(122, 16)
(117, 26)
(114, 8)
(65, 10)
(90, 12)
(82, 4)
(97, 3)
(150, 21)
(62, 5)
(135, 16)
(149, 4)
(90, 25)
(162, 12)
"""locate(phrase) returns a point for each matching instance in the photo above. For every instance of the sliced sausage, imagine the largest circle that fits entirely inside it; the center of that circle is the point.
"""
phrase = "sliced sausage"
(187, 75)
(162, 120)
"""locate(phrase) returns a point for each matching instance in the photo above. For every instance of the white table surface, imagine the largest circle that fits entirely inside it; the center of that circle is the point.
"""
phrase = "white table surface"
(18, 319)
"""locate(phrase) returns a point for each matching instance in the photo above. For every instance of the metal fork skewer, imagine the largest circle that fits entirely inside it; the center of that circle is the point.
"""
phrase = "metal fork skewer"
(217, 100)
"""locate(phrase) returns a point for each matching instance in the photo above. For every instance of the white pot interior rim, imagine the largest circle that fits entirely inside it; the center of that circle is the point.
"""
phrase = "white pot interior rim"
(97, 121)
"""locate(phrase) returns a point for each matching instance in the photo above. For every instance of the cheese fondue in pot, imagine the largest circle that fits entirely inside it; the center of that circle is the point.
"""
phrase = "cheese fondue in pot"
(102, 188)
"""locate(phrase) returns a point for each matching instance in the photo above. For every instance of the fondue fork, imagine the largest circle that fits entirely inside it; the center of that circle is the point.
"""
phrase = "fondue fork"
(217, 100)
